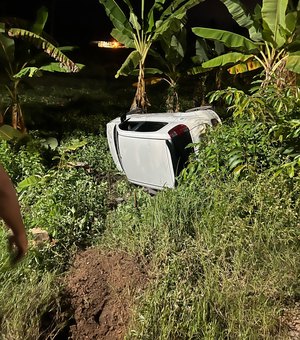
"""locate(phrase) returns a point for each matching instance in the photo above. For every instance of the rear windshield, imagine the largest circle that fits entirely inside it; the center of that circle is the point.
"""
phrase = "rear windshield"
(142, 126)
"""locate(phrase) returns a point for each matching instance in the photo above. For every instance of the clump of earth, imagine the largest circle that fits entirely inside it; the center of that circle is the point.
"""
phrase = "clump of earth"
(103, 287)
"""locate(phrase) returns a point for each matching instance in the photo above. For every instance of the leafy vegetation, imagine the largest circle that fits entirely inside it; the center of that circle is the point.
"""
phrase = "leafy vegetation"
(273, 33)
(18, 61)
(140, 31)
(222, 246)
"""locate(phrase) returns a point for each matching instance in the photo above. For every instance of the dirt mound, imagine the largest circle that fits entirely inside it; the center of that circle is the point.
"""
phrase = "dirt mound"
(102, 287)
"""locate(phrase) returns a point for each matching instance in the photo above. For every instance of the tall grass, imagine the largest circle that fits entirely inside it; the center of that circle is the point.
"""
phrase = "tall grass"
(224, 257)
(26, 295)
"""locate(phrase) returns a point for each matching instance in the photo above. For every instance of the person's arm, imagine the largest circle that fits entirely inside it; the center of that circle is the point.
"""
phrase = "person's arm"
(11, 214)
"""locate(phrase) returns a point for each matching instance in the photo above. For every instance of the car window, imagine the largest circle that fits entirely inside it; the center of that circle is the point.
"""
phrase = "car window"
(142, 126)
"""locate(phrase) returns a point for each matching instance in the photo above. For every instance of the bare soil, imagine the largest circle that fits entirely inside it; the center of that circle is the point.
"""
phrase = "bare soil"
(291, 321)
(102, 289)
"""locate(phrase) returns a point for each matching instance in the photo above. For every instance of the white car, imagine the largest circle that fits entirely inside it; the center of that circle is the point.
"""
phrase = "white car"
(151, 149)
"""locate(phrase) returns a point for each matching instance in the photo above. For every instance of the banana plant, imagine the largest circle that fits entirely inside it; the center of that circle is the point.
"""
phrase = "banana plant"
(272, 44)
(138, 31)
(22, 55)
(168, 55)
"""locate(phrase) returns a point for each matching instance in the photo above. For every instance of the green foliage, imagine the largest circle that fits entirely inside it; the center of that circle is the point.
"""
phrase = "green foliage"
(224, 252)
(229, 39)
(21, 160)
(240, 148)
(26, 295)
(271, 133)
(18, 61)
(69, 201)
(264, 103)
(140, 30)
(272, 31)
(70, 205)
(7, 133)
(169, 58)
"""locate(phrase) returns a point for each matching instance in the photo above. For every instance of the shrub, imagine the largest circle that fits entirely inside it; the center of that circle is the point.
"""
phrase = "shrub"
(94, 154)
(21, 160)
(240, 148)
(70, 201)
(276, 112)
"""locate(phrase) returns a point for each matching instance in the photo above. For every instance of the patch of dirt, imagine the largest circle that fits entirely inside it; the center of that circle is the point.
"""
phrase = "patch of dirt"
(102, 288)
(291, 320)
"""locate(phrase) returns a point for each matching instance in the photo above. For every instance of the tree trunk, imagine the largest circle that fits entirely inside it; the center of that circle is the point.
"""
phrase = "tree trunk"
(140, 99)
(172, 102)
(17, 119)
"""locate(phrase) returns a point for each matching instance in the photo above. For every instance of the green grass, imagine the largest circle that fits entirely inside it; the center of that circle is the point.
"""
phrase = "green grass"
(224, 258)
(26, 296)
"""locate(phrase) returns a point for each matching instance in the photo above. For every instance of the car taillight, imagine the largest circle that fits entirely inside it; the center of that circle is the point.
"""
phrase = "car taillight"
(178, 130)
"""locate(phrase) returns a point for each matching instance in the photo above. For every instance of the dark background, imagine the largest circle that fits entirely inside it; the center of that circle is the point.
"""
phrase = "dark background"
(79, 22)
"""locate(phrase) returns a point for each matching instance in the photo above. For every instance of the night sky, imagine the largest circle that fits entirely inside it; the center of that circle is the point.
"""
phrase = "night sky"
(79, 22)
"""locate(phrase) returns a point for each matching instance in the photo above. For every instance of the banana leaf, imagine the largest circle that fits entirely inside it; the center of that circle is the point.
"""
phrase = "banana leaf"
(291, 22)
(28, 72)
(7, 132)
(178, 7)
(225, 59)
(157, 7)
(46, 46)
(201, 52)
(129, 64)
(116, 15)
(243, 19)
(246, 66)
(229, 39)
(273, 15)
(2, 27)
(171, 25)
(128, 3)
(197, 70)
(134, 21)
(123, 37)
(158, 57)
(174, 16)
(57, 67)
(147, 71)
(174, 47)
(294, 46)
(293, 62)
(32, 71)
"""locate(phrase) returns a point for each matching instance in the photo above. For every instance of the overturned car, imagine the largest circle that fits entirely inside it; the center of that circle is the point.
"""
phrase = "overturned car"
(151, 149)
